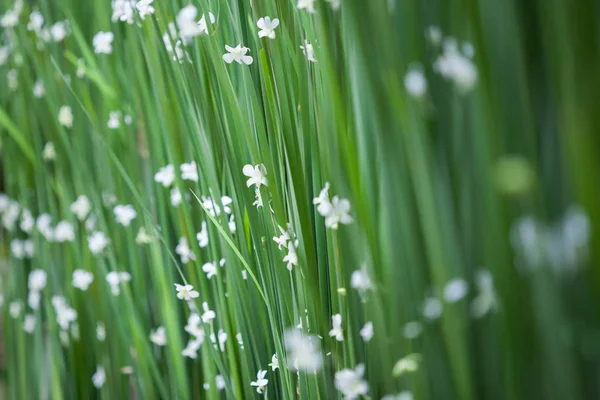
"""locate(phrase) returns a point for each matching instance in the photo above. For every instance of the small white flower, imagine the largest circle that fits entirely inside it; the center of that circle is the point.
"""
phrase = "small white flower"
(15, 308)
(456, 67)
(360, 280)
(308, 51)
(260, 381)
(33, 300)
(237, 54)
(432, 308)
(220, 382)
(99, 377)
(221, 338)
(27, 221)
(114, 120)
(65, 116)
(193, 326)
(410, 363)
(338, 213)
(144, 7)
(10, 19)
(37, 280)
(124, 214)
(415, 82)
(337, 330)
(123, 11)
(184, 251)
(267, 27)
(36, 21)
(189, 171)
(186, 292)
(165, 175)
(80, 72)
(308, 5)
(283, 239)
(367, 331)
(304, 353)
(39, 89)
(176, 197)
(82, 279)
(291, 258)
(29, 323)
(103, 42)
(97, 242)
(81, 207)
(455, 290)
(412, 329)
(351, 383)
(258, 202)
(208, 314)
(191, 350)
(232, 226)
(100, 331)
(127, 119)
(49, 152)
(60, 30)
(115, 278)
(64, 232)
(188, 26)
(210, 268)
(159, 336)
(257, 175)
(142, 237)
(274, 364)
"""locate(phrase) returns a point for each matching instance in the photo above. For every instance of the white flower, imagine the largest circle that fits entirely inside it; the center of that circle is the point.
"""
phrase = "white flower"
(283, 239)
(454, 66)
(189, 171)
(360, 280)
(308, 5)
(144, 7)
(81, 207)
(210, 268)
(82, 279)
(37, 280)
(338, 213)
(36, 21)
(191, 350)
(43, 224)
(308, 51)
(208, 314)
(99, 377)
(455, 290)
(220, 382)
(432, 308)
(322, 201)
(213, 208)
(486, 299)
(114, 120)
(176, 197)
(415, 82)
(123, 11)
(60, 30)
(267, 27)
(124, 214)
(165, 175)
(337, 330)
(203, 25)
(257, 175)
(15, 308)
(64, 232)
(128, 119)
(100, 331)
(335, 4)
(115, 278)
(103, 42)
(27, 221)
(350, 382)
(274, 364)
(184, 251)
(142, 237)
(367, 331)
(231, 224)
(291, 257)
(186, 292)
(188, 27)
(237, 54)
(90, 223)
(258, 202)
(260, 381)
(80, 72)
(412, 329)
(33, 300)
(65, 116)
(49, 152)
(39, 89)
(97, 242)
(221, 337)
(29, 323)
(159, 336)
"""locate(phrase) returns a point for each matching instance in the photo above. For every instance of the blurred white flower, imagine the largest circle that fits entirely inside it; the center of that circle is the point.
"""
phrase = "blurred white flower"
(208, 314)
(308, 5)
(188, 26)
(123, 11)
(82, 279)
(412, 329)
(189, 171)
(97, 242)
(183, 250)
(81, 207)
(165, 175)
(65, 116)
(291, 258)
(100, 331)
(220, 382)
(115, 278)
(15, 308)
(159, 336)
(360, 280)
(308, 51)
(456, 67)
(114, 120)
(144, 7)
(405, 395)
(124, 214)
(260, 381)
(267, 27)
(60, 30)
(410, 363)
(36, 21)
(142, 237)
(64, 232)
(99, 377)
(237, 54)
(39, 89)
(432, 308)
(415, 82)
(27, 221)
(210, 268)
(221, 337)
(37, 280)
(257, 175)
(434, 35)
(367, 331)
(186, 292)
(351, 383)
(176, 197)
(274, 364)
(455, 290)
(29, 323)
(337, 331)
(191, 350)
(103, 42)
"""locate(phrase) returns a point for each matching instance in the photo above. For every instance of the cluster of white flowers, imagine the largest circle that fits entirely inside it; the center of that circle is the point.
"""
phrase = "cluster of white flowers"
(210, 268)
(22, 249)
(124, 10)
(456, 65)
(124, 214)
(351, 383)
(288, 240)
(115, 279)
(196, 331)
(36, 283)
(82, 279)
(115, 117)
(103, 42)
(65, 317)
(335, 211)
